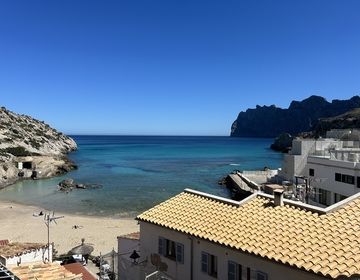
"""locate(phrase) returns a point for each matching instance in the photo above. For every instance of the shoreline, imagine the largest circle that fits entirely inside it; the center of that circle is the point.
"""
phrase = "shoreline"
(47, 166)
(18, 224)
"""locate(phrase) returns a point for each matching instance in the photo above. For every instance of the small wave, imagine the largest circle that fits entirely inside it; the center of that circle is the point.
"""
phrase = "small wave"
(234, 164)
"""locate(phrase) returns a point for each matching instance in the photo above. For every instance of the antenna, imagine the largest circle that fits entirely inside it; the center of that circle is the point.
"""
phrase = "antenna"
(48, 219)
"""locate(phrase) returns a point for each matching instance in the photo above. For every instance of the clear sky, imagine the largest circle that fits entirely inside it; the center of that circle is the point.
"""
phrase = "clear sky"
(172, 67)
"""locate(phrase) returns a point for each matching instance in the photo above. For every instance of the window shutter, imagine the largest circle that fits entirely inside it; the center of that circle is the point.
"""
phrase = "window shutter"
(204, 262)
(232, 270)
(179, 253)
(261, 276)
(162, 245)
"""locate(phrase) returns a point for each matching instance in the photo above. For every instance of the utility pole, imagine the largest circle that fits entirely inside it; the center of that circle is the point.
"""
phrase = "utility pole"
(48, 219)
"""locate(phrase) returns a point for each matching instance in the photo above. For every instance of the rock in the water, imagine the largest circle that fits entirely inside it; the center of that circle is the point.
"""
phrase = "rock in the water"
(282, 143)
(80, 186)
(69, 184)
(66, 184)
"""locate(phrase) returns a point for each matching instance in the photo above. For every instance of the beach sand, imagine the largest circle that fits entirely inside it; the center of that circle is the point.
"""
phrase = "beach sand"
(18, 224)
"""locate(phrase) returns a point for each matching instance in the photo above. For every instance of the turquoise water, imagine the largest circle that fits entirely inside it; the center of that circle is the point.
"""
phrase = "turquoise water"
(139, 171)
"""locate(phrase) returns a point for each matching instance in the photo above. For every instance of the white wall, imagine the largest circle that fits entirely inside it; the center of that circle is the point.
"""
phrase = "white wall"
(302, 147)
(126, 269)
(325, 169)
(39, 255)
(149, 245)
(149, 237)
(295, 162)
(292, 165)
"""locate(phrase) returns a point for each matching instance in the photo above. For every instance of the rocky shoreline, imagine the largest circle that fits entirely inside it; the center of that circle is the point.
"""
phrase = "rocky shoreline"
(31, 149)
(46, 167)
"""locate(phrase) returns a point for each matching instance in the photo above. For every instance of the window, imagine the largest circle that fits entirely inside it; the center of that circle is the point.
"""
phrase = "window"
(338, 177)
(311, 172)
(324, 197)
(347, 179)
(358, 182)
(261, 275)
(171, 249)
(234, 271)
(350, 179)
(338, 197)
(179, 253)
(248, 273)
(209, 264)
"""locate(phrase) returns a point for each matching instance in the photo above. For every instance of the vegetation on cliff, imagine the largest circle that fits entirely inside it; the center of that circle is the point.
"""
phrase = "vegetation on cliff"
(21, 132)
(25, 139)
(347, 120)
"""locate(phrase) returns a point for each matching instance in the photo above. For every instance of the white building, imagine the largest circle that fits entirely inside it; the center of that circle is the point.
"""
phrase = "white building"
(127, 270)
(199, 236)
(15, 253)
(331, 166)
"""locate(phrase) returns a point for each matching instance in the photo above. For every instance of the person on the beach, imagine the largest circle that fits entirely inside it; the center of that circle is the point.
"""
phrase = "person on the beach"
(76, 226)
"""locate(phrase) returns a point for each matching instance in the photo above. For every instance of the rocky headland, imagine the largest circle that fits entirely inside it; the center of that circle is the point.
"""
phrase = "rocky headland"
(30, 148)
(305, 115)
(348, 120)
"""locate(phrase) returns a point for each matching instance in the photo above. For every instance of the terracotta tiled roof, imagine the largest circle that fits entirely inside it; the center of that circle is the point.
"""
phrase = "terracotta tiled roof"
(50, 271)
(4, 242)
(133, 236)
(78, 268)
(325, 244)
(16, 248)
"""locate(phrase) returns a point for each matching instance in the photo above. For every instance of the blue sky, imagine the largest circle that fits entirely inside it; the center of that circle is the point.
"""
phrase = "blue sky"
(172, 67)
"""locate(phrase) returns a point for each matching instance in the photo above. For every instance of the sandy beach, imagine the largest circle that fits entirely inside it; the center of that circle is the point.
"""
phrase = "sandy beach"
(18, 224)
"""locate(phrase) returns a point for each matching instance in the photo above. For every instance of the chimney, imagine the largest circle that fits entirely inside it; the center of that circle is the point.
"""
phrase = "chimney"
(278, 197)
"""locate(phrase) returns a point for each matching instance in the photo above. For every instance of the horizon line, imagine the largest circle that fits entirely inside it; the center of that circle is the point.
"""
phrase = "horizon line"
(144, 135)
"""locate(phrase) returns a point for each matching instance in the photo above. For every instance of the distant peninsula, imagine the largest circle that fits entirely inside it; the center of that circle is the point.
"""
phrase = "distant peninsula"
(301, 116)
(30, 148)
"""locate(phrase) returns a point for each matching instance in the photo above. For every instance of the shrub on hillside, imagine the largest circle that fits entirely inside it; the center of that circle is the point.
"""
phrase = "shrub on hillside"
(17, 151)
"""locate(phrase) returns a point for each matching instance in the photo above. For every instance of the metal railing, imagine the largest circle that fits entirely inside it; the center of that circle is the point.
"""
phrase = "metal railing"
(6, 274)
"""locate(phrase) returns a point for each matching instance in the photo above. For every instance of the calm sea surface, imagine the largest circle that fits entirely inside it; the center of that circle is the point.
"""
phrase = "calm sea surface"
(139, 171)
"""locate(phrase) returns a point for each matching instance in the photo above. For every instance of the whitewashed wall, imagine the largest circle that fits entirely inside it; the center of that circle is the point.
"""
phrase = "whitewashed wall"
(39, 255)
(126, 269)
(324, 176)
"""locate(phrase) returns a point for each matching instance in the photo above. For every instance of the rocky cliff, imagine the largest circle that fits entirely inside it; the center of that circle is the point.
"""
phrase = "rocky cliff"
(270, 121)
(347, 120)
(31, 148)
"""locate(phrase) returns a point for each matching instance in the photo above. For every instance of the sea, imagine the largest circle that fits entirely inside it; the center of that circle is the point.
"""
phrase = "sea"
(137, 172)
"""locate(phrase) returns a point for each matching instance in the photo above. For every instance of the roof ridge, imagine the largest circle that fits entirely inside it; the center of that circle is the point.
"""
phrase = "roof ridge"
(313, 208)
(219, 198)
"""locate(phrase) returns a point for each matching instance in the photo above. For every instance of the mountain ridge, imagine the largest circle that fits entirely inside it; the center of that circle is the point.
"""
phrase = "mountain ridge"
(300, 116)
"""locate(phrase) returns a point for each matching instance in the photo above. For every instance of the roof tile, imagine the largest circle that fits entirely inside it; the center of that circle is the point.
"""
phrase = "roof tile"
(327, 244)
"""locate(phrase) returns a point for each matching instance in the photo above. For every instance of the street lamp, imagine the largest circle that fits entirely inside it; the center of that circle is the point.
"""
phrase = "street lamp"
(134, 256)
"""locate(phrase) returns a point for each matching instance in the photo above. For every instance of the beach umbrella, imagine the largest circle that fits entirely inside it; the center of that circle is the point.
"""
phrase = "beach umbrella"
(83, 249)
